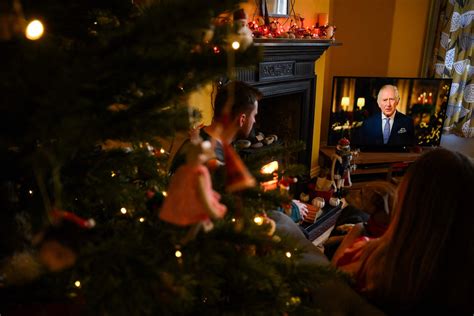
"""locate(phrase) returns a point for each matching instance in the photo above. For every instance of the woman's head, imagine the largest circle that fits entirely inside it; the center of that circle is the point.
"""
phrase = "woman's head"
(428, 247)
(435, 193)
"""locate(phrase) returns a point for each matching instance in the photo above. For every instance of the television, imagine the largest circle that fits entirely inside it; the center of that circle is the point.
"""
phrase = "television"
(417, 122)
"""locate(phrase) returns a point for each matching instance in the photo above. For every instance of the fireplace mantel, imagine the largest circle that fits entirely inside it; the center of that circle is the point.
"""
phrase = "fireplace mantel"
(285, 59)
(307, 49)
(287, 68)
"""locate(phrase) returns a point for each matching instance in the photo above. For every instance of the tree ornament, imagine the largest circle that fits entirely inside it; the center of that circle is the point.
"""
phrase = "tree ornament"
(285, 183)
(191, 199)
(58, 215)
(237, 176)
(242, 33)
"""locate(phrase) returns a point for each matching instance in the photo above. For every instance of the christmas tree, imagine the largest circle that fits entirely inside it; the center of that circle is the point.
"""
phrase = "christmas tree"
(86, 105)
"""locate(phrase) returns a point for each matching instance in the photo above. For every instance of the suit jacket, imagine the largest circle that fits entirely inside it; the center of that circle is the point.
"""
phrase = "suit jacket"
(402, 133)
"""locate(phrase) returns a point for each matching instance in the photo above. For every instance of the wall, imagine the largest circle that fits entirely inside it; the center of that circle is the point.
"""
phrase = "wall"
(407, 43)
(379, 38)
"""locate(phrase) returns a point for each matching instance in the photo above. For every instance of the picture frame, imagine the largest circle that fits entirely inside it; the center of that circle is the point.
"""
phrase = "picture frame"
(274, 8)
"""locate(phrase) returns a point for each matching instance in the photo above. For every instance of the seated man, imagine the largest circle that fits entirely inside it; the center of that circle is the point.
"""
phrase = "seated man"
(389, 126)
(243, 109)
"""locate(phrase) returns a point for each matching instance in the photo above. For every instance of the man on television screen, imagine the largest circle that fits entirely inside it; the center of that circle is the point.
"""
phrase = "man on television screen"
(388, 127)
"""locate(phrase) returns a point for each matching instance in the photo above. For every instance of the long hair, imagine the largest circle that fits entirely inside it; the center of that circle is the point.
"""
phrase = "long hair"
(425, 258)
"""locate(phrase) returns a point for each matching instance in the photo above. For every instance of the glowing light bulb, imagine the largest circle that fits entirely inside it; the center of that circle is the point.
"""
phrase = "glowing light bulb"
(269, 168)
(141, 219)
(233, 220)
(77, 283)
(288, 254)
(164, 193)
(178, 254)
(30, 192)
(123, 210)
(112, 174)
(258, 220)
(235, 45)
(162, 151)
(34, 30)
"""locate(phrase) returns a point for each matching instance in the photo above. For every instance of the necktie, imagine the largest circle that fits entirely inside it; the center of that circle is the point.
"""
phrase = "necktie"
(386, 130)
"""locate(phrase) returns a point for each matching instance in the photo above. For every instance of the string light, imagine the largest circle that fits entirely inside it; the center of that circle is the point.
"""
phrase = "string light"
(233, 220)
(77, 284)
(113, 174)
(141, 219)
(123, 210)
(164, 193)
(258, 220)
(34, 30)
(288, 254)
(216, 50)
(178, 254)
(269, 168)
(30, 192)
(235, 45)
(162, 151)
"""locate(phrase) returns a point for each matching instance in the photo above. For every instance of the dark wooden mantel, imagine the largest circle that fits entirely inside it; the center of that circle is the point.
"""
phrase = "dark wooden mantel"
(306, 48)
(285, 59)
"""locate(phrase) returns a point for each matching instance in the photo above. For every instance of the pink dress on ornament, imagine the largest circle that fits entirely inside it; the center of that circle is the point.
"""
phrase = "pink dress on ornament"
(184, 205)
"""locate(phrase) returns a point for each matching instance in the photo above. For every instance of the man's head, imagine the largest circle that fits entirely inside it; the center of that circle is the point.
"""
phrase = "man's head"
(388, 99)
(240, 101)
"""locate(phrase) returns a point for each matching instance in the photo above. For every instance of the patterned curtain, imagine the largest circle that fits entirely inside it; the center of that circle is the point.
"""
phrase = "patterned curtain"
(454, 60)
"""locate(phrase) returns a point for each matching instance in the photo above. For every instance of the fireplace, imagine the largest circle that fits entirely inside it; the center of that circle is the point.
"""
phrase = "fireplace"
(287, 81)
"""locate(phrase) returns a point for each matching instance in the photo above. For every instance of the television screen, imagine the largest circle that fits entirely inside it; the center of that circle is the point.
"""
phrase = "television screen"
(388, 114)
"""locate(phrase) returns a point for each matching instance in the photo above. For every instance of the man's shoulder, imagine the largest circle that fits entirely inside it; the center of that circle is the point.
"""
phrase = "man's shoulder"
(403, 118)
(400, 115)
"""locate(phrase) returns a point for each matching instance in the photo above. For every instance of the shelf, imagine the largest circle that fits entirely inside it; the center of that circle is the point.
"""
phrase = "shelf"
(373, 165)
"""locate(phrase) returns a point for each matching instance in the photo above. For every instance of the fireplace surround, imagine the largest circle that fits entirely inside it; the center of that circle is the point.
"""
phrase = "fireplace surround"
(287, 80)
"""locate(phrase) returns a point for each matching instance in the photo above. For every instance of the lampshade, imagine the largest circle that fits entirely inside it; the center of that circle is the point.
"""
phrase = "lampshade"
(345, 101)
(360, 103)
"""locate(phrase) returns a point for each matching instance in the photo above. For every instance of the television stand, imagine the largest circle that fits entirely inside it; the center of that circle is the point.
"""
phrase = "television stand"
(372, 165)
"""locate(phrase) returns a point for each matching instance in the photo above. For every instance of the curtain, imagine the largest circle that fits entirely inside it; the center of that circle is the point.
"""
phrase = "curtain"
(453, 59)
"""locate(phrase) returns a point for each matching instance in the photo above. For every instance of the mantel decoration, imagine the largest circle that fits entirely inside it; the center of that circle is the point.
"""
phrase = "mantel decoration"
(265, 27)
(275, 29)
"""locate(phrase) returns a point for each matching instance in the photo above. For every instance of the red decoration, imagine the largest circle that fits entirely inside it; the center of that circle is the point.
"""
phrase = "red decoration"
(191, 198)
(238, 177)
(59, 215)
